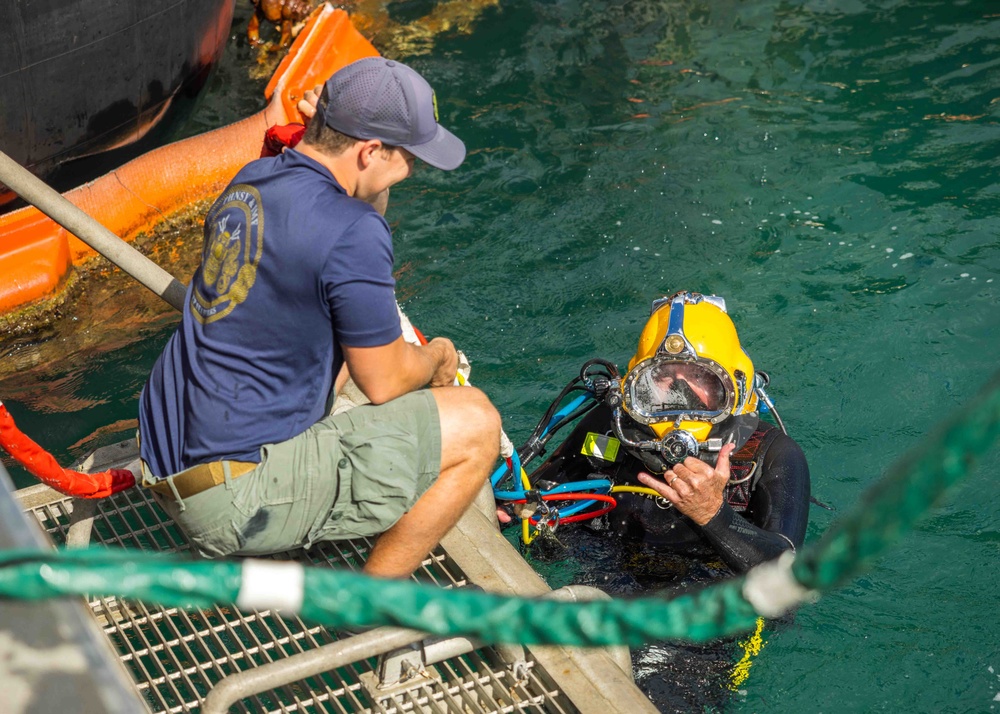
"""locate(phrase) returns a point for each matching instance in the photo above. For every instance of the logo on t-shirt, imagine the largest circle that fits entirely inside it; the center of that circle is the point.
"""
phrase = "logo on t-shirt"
(234, 242)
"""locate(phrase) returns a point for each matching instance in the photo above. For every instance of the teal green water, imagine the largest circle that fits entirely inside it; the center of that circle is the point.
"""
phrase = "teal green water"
(828, 166)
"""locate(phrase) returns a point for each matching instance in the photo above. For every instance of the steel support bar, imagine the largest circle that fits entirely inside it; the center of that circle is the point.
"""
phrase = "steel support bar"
(306, 664)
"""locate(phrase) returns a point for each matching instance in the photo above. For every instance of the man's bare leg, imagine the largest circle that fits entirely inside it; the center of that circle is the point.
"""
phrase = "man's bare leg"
(470, 444)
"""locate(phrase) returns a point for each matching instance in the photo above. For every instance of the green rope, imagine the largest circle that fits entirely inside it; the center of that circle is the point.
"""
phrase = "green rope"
(343, 599)
(350, 600)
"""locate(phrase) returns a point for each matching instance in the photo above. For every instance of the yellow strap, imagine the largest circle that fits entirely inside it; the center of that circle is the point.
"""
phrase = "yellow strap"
(751, 648)
(526, 535)
(635, 489)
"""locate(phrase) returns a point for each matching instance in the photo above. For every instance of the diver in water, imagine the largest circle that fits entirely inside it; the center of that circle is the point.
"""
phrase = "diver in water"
(679, 438)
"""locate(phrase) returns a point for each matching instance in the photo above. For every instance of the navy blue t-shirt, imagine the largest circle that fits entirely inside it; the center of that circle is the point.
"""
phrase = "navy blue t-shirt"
(292, 268)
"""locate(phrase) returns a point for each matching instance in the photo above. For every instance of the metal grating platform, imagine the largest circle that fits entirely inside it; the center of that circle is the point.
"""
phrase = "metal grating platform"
(175, 657)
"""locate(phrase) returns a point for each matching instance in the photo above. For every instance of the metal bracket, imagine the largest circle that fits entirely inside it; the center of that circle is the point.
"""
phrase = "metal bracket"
(406, 668)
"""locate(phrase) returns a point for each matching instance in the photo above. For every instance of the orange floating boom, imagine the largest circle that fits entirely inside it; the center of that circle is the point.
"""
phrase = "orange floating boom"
(36, 254)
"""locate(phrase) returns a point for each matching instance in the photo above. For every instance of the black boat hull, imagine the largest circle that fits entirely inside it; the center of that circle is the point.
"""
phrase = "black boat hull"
(78, 77)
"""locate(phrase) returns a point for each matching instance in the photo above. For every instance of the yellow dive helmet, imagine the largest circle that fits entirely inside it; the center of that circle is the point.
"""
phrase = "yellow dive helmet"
(690, 381)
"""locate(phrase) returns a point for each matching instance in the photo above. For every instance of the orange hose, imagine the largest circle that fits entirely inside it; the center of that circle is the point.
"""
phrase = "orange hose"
(43, 466)
(36, 254)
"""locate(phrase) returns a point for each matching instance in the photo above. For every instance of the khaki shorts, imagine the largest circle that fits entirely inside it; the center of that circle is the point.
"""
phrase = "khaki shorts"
(350, 475)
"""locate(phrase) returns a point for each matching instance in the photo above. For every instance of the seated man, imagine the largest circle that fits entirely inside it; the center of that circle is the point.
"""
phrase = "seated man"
(295, 283)
(684, 422)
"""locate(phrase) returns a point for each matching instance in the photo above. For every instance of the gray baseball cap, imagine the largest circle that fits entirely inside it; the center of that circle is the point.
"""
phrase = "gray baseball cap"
(376, 98)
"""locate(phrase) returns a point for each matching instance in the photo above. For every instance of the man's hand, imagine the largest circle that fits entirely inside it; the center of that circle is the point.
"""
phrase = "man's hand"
(693, 486)
(444, 375)
(307, 105)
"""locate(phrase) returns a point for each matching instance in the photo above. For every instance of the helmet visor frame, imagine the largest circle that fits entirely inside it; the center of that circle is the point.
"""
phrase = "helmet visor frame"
(662, 389)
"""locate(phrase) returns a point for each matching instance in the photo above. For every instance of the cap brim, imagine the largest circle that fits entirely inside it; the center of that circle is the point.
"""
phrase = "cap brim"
(445, 151)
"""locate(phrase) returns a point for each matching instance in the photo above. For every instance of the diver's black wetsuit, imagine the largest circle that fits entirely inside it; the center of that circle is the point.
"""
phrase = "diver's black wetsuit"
(760, 518)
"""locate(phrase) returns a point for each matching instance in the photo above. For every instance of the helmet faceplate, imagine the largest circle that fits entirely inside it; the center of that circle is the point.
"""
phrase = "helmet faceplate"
(689, 372)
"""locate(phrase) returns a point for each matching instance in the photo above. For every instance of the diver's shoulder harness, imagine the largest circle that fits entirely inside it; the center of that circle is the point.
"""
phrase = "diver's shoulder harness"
(746, 466)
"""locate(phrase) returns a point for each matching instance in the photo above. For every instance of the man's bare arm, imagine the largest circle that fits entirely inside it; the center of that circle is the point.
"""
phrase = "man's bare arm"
(392, 370)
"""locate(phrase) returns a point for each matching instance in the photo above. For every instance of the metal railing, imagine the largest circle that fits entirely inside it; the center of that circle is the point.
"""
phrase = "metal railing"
(260, 661)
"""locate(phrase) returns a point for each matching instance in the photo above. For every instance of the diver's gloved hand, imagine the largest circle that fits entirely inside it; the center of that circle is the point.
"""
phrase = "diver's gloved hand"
(693, 486)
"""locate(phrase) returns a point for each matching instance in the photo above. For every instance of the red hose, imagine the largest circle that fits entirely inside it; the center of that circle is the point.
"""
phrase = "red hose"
(576, 497)
(43, 466)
